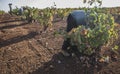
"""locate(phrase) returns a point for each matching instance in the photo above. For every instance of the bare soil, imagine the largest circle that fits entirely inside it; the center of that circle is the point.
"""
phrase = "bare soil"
(26, 49)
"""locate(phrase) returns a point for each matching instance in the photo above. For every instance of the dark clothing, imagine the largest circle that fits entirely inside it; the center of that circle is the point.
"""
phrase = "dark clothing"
(70, 23)
(74, 19)
(79, 16)
(20, 11)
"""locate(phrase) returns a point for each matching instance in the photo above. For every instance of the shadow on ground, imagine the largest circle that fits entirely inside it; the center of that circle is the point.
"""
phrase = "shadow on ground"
(10, 21)
(13, 25)
(63, 65)
(17, 39)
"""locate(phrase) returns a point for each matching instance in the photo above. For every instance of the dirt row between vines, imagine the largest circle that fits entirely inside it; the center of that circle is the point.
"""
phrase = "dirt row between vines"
(25, 49)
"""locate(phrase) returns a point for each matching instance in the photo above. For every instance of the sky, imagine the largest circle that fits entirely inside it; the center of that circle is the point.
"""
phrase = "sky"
(48, 3)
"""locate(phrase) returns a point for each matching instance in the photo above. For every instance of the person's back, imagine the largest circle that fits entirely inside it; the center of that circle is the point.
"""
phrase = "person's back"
(79, 16)
(20, 11)
(76, 18)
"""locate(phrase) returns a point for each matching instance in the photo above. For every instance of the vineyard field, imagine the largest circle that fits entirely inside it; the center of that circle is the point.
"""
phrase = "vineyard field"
(25, 48)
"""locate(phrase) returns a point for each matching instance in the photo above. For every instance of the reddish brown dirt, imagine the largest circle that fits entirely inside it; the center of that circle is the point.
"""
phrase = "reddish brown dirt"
(25, 49)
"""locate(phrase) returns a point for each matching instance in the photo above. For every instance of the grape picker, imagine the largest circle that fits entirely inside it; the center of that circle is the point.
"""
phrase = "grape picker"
(75, 18)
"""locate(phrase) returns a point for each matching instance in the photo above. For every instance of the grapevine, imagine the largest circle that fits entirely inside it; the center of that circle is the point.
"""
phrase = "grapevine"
(99, 31)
